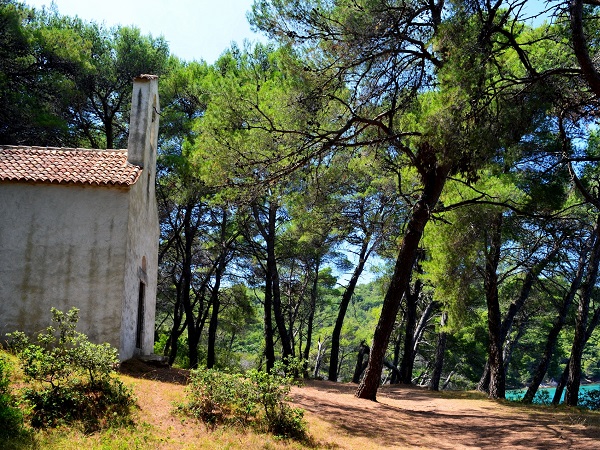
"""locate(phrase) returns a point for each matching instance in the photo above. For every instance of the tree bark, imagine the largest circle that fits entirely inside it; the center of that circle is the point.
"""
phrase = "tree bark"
(319, 359)
(346, 297)
(560, 387)
(395, 378)
(214, 318)
(274, 272)
(363, 351)
(559, 321)
(186, 287)
(434, 178)
(423, 321)
(440, 349)
(311, 317)
(272, 286)
(268, 324)
(497, 376)
(530, 278)
(580, 46)
(581, 323)
(408, 355)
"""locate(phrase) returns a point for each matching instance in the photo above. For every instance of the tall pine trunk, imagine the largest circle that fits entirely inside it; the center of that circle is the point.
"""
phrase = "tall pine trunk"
(314, 292)
(497, 377)
(408, 355)
(434, 178)
(286, 343)
(440, 349)
(581, 324)
(272, 303)
(530, 278)
(559, 321)
(268, 324)
(346, 297)
(214, 318)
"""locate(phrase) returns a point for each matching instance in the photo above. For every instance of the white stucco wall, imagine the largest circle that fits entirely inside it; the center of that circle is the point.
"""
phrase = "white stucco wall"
(142, 246)
(143, 227)
(63, 246)
(86, 246)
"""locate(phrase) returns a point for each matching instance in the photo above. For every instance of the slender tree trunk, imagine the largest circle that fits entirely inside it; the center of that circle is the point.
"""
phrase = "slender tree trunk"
(268, 323)
(497, 376)
(448, 378)
(574, 380)
(542, 367)
(314, 292)
(433, 177)
(215, 295)
(272, 268)
(408, 355)
(440, 349)
(272, 304)
(565, 375)
(560, 387)
(108, 124)
(510, 344)
(484, 381)
(530, 278)
(559, 321)
(186, 287)
(588, 67)
(363, 351)
(319, 358)
(176, 332)
(172, 345)
(346, 297)
(214, 318)
(395, 378)
(581, 323)
(423, 321)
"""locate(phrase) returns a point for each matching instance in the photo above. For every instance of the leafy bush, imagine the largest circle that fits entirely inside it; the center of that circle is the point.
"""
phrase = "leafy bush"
(257, 399)
(542, 397)
(589, 399)
(71, 378)
(11, 419)
(217, 397)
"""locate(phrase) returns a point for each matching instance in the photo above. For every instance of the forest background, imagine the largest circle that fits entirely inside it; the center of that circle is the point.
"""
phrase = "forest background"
(452, 142)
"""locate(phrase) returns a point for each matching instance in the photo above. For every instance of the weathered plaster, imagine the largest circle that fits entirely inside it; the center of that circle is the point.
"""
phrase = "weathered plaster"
(62, 246)
(86, 246)
(143, 228)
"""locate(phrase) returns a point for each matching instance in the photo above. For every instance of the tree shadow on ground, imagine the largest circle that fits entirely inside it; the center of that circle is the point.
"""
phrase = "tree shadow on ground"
(139, 369)
(408, 417)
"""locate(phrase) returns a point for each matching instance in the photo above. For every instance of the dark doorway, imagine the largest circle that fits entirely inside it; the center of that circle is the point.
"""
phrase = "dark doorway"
(139, 334)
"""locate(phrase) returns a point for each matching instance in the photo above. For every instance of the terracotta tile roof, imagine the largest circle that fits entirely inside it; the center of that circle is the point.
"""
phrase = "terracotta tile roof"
(67, 165)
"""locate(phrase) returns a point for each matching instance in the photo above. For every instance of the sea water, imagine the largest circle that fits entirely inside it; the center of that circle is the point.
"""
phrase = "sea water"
(547, 393)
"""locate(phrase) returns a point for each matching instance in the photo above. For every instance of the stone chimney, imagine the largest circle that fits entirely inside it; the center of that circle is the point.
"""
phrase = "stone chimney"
(143, 124)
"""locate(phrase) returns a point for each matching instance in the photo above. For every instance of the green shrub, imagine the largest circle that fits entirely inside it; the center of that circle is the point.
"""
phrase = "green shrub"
(71, 379)
(589, 399)
(542, 397)
(11, 418)
(272, 391)
(217, 397)
(257, 399)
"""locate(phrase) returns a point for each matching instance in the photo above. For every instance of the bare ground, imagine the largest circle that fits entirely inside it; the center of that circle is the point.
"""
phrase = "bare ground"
(403, 417)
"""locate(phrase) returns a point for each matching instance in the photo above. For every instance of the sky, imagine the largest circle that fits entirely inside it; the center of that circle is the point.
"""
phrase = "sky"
(194, 29)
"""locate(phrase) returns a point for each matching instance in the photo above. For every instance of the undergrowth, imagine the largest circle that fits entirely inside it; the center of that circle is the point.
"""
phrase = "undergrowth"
(71, 381)
(11, 417)
(255, 399)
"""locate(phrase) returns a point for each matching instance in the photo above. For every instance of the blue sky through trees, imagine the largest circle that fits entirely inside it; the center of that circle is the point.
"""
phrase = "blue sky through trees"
(194, 29)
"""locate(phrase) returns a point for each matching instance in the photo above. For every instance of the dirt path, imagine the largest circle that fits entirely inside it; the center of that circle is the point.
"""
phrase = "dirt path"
(403, 418)
(409, 417)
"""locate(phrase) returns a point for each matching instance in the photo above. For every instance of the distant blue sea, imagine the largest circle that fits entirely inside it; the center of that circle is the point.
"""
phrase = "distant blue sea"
(543, 393)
